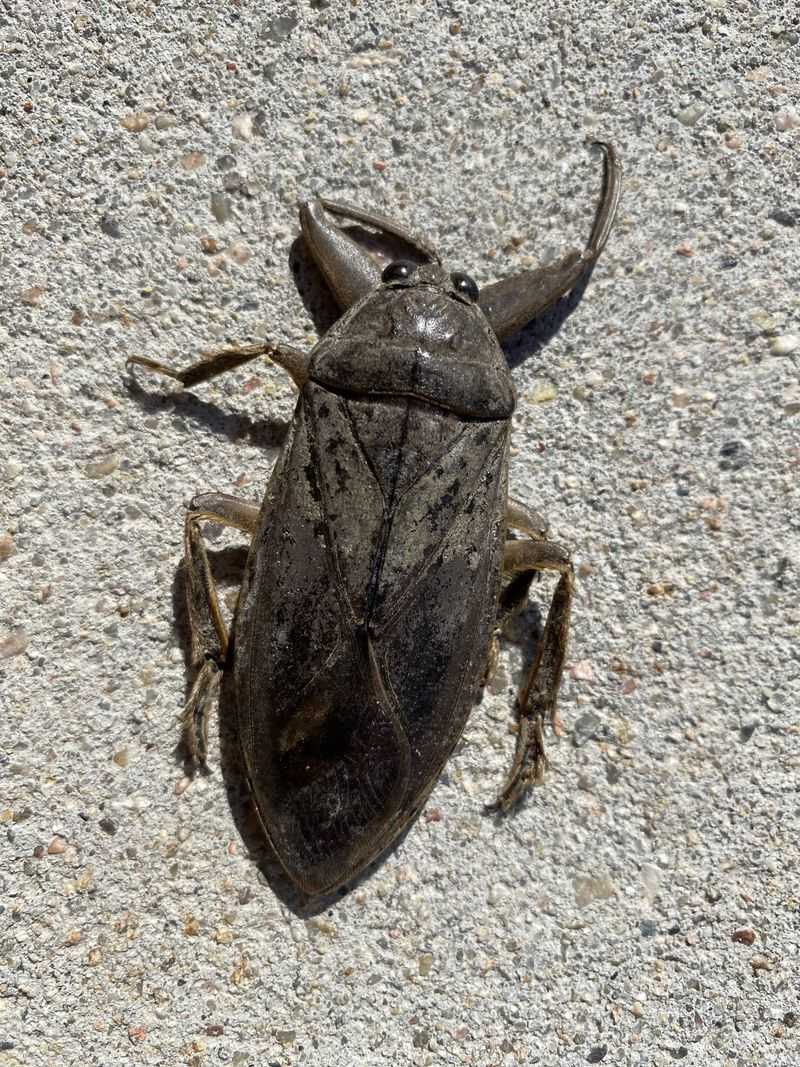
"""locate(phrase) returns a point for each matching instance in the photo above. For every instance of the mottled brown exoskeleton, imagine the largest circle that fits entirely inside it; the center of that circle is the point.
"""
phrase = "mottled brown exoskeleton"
(379, 570)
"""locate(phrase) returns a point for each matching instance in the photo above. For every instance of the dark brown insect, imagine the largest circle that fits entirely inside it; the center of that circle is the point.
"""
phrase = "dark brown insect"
(379, 572)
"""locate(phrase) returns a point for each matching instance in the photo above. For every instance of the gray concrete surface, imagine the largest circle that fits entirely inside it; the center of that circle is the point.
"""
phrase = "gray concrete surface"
(642, 908)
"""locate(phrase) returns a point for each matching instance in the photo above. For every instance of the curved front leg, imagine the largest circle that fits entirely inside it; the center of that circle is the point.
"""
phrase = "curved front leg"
(348, 269)
(517, 300)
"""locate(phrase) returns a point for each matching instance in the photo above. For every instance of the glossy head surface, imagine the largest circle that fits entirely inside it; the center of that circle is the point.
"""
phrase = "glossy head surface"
(420, 333)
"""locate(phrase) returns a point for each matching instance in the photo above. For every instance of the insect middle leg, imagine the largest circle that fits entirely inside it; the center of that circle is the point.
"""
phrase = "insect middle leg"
(207, 630)
(536, 703)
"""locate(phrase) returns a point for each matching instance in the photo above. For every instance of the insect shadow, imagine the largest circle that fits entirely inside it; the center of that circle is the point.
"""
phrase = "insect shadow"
(524, 631)
(538, 333)
(261, 432)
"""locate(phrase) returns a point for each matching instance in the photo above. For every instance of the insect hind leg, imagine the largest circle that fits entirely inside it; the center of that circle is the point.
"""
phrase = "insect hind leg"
(207, 630)
(536, 703)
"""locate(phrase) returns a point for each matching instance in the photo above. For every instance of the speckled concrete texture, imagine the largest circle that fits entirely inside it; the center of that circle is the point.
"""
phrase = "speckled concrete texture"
(642, 907)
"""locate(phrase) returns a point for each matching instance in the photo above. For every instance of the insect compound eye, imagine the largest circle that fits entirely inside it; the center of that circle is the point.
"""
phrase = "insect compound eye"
(398, 271)
(462, 283)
